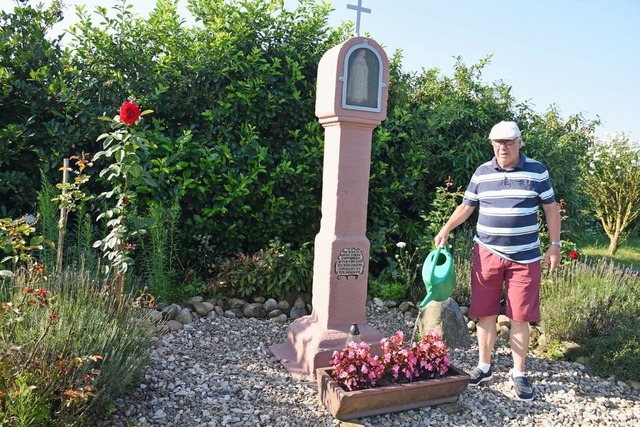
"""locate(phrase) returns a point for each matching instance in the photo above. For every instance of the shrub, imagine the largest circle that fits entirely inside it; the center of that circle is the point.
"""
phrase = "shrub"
(278, 271)
(234, 137)
(583, 300)
(615, 353)
(387, 289)
(65, 351)
(241, 148)
(19, 241)
(31, 130)
(557, 143)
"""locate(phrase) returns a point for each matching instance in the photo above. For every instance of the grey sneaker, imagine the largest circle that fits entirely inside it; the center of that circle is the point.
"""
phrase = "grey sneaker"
(523, 388)
(477, 376)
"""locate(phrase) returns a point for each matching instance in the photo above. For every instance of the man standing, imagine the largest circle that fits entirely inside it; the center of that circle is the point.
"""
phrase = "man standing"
(508, 189)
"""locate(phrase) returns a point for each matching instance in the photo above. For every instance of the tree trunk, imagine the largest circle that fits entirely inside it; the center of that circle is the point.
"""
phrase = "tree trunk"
(613, 244)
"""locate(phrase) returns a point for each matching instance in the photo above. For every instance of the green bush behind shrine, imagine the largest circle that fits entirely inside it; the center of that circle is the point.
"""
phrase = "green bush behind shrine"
(233, 138)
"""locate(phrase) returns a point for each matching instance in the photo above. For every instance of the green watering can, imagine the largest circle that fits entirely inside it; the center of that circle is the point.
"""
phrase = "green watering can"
(438, 276)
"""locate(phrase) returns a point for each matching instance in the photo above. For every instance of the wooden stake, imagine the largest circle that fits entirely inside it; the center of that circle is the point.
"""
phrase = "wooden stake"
(62, 223)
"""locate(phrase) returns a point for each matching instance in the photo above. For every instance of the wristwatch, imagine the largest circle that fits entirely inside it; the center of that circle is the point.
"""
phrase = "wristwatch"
(558, 243)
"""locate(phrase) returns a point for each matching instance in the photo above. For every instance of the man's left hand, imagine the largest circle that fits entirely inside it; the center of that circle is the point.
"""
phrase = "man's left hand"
(552, 257)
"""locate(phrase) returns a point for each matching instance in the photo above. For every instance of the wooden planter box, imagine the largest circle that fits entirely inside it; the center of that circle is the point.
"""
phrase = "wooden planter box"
(346, 405)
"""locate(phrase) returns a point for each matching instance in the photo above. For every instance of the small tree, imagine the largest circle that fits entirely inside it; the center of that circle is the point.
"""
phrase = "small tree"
(613, 183)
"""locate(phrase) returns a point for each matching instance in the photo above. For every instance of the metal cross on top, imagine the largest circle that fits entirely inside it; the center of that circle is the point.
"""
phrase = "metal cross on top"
(359, 9)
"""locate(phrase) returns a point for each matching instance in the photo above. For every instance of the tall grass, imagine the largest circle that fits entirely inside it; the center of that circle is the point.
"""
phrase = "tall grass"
(81, 253)
(160, 251)
(48, 222)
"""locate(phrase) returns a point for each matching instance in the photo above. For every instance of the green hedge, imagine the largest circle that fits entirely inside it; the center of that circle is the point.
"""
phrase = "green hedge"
(233, 137)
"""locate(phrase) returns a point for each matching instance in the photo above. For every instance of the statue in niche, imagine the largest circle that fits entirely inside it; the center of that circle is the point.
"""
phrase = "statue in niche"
(358, 80)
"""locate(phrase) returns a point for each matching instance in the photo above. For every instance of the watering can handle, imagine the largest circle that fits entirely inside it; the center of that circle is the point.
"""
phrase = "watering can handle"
(435, 262)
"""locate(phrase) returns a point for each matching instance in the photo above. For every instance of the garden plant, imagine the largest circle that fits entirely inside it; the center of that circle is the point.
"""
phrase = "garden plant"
(356, 368)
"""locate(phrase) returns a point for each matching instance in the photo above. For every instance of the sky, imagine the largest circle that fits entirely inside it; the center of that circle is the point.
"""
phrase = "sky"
(581, 56)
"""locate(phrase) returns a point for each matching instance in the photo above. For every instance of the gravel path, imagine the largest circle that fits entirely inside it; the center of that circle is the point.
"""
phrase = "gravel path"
(220, 372)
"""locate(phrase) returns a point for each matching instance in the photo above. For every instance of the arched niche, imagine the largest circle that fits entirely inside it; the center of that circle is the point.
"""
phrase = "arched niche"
(362, 81)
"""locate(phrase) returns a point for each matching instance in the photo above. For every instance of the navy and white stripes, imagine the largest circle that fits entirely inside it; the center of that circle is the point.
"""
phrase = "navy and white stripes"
(509, 201)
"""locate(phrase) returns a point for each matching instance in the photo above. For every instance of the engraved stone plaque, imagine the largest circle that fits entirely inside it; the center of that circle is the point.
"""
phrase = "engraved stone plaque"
(350, 263)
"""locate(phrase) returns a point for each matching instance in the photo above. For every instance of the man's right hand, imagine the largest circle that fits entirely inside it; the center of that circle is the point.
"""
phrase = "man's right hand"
(441, 237)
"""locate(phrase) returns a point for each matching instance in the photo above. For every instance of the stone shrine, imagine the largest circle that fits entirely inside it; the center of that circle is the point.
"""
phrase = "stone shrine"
(351, 100)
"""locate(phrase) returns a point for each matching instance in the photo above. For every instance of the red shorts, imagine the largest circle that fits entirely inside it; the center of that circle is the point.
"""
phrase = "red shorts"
(521, 281)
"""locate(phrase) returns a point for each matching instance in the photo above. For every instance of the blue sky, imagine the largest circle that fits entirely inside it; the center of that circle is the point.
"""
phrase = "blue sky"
(582, 56)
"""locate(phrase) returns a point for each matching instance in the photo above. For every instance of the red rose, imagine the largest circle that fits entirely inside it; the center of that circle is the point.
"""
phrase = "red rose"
(129, 112)
(573, 255)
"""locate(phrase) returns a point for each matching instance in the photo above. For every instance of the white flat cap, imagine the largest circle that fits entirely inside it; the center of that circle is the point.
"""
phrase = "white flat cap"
(504, 130)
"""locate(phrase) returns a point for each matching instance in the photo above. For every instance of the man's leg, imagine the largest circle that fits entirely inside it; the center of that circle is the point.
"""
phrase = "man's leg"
(519, 340)
(523, 305)
(487, 334)
(487, 277)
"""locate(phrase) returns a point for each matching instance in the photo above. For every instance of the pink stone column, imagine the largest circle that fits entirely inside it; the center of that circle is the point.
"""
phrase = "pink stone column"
(341, 250)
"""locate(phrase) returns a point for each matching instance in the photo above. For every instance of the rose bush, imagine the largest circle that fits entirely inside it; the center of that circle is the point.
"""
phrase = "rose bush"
(355, 368)
(125, 174)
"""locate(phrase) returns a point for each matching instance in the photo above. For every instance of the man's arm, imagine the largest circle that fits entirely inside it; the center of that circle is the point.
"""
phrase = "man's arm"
(460, 215)
(552, 216)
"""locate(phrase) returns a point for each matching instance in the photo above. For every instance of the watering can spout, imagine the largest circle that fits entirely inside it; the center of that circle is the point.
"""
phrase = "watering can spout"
(426, 300)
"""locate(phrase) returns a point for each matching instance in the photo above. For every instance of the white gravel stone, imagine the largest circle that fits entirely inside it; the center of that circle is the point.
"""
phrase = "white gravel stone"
(219, 372)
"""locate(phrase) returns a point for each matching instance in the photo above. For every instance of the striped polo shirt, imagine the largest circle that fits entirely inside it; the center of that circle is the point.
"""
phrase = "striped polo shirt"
(509, 200)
